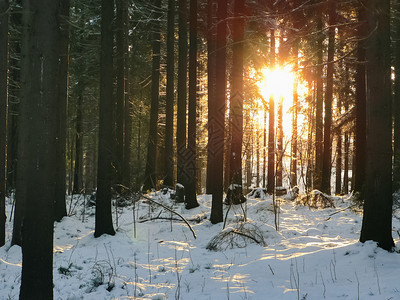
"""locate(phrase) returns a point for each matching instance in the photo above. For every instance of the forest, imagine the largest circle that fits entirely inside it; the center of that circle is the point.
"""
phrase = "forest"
(199, 107)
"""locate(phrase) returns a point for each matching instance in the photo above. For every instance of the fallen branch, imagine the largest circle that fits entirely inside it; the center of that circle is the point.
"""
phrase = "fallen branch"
(172, 211)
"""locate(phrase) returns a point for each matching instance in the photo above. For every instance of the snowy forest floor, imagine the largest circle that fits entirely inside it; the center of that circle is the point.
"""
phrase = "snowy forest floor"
(314, 255)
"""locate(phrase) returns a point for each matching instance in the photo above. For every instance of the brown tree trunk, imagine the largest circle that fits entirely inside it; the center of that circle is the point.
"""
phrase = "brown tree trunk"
(327, 154)
(182, 92)
(377, 218)
(271, 128)
(169, 109)
(190, 189)
(317, 181)
(217, 120)
(37, 145)
(103, 217)
(4, 16)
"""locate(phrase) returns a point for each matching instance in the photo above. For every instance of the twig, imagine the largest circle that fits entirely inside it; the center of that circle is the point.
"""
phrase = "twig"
(167, 208)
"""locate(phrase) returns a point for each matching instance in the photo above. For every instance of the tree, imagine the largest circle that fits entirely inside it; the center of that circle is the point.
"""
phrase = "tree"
(319, 103)
(169, 110)
(4, 16)
(150, 173)
(182, 92)
(396, 102)
(271, 127)
(327, 154)
(236, 103)
(211, 71)
(60, 209)
(190, 182)
(216, 117)
(103, 217)
(377, 218)
(128, 103)
(120, 93)
(37, 145)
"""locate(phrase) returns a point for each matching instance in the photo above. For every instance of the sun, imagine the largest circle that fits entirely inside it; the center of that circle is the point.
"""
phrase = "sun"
(277, 84)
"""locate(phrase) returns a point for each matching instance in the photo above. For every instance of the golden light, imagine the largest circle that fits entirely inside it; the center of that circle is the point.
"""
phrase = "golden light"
(278, 83)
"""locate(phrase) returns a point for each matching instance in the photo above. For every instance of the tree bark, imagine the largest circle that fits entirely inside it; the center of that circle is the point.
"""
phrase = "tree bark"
(217, 119)
(377, 218)
(271, 128)
(182, 92)
(150, 173)
(120, 94)
(327, 154)
(319, 106)
(37, 145)
(60, 209)
(169, 123)
(190, 188)
(4, 17)
(211, 71)
(103, 217)
(236, 103)
(360, 130)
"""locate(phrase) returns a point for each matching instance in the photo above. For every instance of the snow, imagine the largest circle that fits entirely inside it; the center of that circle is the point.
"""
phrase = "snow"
(315, 254)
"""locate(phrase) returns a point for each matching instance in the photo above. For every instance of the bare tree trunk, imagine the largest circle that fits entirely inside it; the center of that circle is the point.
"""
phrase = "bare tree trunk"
(4, 16)
(211, 72)
(190, 189)
(169, 110)
(60, 209)
(182, 93)
(327, 154)
(103, 217)
(271, 128)
(319, 106)
(37, 145)
(216, 139)
(377, 218)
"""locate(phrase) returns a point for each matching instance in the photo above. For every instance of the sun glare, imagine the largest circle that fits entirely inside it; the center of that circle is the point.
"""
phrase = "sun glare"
(277, 83)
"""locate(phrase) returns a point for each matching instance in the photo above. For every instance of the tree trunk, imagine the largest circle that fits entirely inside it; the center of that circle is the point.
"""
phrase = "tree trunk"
(279, 146)
(271, 128)
(4, 16)
(319, 106)
(190, 188)
(236, 104)
(37, 145)
(217, 119)
(120, 94)
(377, 218)
(327, 154)
(128, 105)
(338, 180)
(103, 217)
(182, 91)
(150, 173)
(211, 71)
(294, 158)
(360, 130)
(60, 209)
(78, 167)
(346, 162)
(169, 123)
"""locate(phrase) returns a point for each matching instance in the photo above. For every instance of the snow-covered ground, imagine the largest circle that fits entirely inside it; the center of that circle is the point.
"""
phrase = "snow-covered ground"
(315, 254)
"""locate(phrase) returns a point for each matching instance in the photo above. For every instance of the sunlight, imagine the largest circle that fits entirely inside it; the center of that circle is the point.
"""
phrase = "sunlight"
(277, 83)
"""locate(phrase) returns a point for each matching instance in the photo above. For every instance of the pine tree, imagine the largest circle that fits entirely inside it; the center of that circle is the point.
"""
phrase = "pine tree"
(4, 16)
(377, 218)
(37, 145)
(103, 221)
